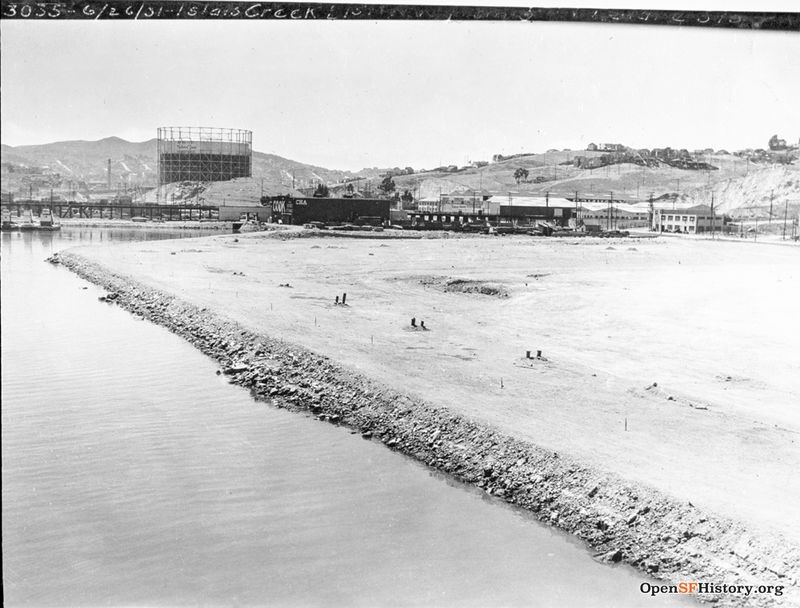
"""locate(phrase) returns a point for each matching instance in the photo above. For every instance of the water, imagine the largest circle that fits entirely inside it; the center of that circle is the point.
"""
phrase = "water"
(133, 475)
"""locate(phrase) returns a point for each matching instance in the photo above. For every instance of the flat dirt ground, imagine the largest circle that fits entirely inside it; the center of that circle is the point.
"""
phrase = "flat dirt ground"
(714, 324)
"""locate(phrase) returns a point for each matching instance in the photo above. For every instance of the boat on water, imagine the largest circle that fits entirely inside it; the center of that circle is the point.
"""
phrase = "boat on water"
(7, 225)
(26, 222)
(47, 221)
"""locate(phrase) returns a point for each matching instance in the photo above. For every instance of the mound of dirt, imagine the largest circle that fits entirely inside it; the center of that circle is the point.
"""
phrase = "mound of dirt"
(469, 286)
(451, 285)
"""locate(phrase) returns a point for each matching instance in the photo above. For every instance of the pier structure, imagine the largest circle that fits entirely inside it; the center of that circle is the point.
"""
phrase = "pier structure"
(113, 211)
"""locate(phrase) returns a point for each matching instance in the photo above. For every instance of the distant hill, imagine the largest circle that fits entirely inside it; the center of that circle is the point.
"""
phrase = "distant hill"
(736, 183)
(135, 164)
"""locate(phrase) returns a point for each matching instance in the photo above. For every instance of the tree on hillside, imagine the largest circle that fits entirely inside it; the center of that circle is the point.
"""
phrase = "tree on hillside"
(348, 191)
(387, 185)
(407, 197)
(321, 191)
(520, 174)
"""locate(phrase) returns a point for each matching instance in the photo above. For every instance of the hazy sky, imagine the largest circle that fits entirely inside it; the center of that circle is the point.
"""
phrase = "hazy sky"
(347, 95)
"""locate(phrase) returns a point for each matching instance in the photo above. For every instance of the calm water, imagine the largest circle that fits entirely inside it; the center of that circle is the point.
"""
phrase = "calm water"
(133, 475)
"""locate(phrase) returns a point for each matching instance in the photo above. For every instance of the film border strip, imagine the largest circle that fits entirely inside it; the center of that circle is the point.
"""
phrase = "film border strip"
(236, 10)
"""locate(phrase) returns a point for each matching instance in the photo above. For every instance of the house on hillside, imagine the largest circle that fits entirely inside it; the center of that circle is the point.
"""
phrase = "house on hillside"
(591, 148)
(776, 143)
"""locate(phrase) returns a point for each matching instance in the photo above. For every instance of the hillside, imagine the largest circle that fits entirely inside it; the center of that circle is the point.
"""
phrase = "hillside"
(736, 183)
(133, 165)
(78, 169)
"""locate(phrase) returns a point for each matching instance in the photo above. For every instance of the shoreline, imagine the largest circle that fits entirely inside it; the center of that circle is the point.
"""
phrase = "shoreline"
(620, 521)
(173, 225)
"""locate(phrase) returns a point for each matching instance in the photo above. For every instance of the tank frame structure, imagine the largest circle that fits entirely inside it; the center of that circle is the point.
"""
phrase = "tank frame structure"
(203, 154)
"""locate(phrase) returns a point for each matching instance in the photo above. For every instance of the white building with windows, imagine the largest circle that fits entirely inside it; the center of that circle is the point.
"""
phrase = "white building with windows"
(688, 220)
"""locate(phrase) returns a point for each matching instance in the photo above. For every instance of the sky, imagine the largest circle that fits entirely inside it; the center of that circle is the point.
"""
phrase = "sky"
(347, 95)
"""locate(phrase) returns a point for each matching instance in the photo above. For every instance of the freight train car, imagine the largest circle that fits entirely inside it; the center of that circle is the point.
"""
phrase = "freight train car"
(299, 211)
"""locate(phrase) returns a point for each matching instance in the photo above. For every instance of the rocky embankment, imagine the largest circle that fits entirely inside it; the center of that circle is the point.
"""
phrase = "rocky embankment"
(665, 538)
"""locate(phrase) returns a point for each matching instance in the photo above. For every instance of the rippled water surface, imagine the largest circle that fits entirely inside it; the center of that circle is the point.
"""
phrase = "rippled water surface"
(133, 475)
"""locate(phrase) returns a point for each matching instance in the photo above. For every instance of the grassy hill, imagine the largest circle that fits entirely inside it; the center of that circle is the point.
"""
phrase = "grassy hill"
(736, 183)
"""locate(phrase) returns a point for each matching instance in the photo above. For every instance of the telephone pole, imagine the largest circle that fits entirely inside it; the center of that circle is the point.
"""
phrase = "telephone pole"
(771, 196)
(576, 209)
(547, 205)
(785, 212)
(712, 214)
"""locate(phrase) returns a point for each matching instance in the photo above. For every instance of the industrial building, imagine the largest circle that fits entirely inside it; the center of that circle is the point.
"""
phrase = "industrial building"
(614, 216)
(299, 211)
(203, 154)
(452, 213)
(689, 220)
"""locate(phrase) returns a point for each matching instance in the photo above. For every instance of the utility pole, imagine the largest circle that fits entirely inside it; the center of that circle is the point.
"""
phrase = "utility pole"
(547, 204)
(771, 196)
(611, 211)
(576, 209)
(712, 215)
(785, 212)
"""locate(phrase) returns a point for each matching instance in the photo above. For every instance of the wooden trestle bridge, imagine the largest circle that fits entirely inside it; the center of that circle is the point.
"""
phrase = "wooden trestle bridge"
(124, 211)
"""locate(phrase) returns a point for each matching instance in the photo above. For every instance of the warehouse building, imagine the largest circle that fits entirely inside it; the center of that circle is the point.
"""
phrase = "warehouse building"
(616, 216)
(299, 211)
